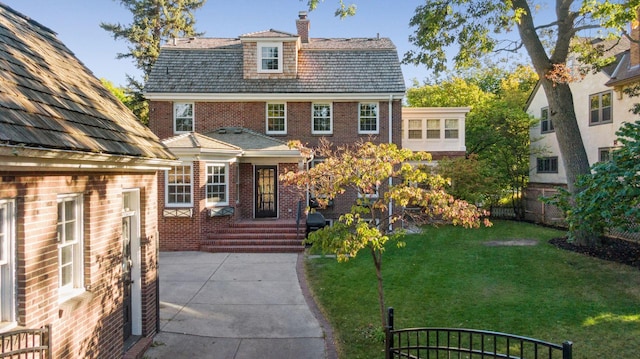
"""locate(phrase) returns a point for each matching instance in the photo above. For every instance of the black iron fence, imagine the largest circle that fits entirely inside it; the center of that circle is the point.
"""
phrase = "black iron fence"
(26, 343)
(450, 343)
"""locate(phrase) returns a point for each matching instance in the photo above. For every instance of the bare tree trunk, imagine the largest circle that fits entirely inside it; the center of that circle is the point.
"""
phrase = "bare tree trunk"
(377, 261)
(559, 96)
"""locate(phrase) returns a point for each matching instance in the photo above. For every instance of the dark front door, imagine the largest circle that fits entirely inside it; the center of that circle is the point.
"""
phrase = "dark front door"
(266, 191)
(126, 275)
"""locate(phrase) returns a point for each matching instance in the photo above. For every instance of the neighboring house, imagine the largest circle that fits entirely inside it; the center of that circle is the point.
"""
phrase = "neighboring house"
(229, 107)
(601, 107)
(78, 212)
(437, 130)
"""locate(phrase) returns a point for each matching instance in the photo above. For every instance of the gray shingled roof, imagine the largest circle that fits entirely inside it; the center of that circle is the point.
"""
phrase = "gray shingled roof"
(50, 100)
(325, 66)
(248, 140)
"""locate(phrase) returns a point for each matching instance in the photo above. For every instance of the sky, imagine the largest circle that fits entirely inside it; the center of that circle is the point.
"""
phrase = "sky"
(77, 23)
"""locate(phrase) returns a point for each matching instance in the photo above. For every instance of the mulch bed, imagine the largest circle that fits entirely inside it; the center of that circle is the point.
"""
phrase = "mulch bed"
(612, 249)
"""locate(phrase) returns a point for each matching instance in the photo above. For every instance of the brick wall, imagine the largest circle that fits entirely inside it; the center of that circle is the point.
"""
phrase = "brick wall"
(88, 325)
(212, 115)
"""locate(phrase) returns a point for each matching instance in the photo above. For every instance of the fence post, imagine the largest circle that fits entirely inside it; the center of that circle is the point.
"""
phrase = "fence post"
(567, 350)
(388, 339)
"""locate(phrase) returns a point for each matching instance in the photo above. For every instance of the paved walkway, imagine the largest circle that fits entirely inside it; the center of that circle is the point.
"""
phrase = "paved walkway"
(236, 306)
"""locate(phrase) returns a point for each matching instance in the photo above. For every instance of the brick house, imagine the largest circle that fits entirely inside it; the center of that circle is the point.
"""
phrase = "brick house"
(228, 108)
(78, 212)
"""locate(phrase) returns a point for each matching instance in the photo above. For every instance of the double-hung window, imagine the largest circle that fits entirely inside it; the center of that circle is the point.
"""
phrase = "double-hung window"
(604, 154)
(433, 129)
(547, 165)
(179, 188)
(451, 128)
(600, 108)
(183, 117)
(368, 118)
(321, 119)
(546, 125)
(414, 132)
(7, 264)
(217, 188)
(270, 57)
(277, 118)
(70, 246)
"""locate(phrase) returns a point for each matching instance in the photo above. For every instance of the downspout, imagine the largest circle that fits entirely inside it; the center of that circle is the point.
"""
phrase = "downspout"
(390, 141)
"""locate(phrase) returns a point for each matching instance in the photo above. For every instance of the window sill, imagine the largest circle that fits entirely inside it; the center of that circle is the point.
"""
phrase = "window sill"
(73, 300)
(7, 326)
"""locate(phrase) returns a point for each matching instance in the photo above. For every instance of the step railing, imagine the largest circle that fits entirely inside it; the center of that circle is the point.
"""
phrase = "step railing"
(450, 343)
(26, 343)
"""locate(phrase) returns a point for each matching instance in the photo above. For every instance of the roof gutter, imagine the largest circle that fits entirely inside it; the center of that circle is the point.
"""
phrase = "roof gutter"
(40, 159)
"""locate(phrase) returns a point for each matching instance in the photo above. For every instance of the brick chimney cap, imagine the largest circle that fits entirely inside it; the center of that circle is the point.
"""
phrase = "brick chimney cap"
(302, 15)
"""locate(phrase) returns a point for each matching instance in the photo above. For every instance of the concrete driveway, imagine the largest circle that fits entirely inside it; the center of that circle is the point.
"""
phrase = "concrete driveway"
(235, 305)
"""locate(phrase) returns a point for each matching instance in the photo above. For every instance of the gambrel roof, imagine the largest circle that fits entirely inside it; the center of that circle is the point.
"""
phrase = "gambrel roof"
(343, 66)
(51, 103)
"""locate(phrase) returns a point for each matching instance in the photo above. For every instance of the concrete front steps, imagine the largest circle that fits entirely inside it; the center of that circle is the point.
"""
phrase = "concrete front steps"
(259, 236)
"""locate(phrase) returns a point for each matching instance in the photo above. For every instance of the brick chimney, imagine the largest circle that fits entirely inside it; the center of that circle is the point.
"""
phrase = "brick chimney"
(302, 24)
(634, 49)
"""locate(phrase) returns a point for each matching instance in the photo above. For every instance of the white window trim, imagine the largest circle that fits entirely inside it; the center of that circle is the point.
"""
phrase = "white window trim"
(266, 120)
(193, 116)
(445, 128)
(166, 188)
(226, 184)
(374, 195)
(259, 47)
(9, 300)
(440, 129)
(330, 131)
(377, 130)
(77, 287)
(421, 128)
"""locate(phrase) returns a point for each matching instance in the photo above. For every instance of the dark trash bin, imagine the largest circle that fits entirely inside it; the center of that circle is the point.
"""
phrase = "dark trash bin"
(315, 221)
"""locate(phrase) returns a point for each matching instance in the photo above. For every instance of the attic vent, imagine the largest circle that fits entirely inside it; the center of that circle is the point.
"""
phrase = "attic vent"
(237, 131)
(222, 131)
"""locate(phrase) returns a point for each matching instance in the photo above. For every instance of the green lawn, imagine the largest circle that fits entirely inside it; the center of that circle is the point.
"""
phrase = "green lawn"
(449, 277)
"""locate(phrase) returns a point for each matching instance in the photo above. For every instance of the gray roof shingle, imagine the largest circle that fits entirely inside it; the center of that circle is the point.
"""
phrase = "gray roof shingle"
(360, 65)
(50, 100)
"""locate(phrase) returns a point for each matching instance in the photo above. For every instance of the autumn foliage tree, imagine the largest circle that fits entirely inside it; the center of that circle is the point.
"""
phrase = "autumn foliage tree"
(381, 175)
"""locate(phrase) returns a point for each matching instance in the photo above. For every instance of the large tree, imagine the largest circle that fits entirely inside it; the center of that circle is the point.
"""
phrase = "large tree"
(154, 22)
(496, 131)
(364, 168)
(477, 27)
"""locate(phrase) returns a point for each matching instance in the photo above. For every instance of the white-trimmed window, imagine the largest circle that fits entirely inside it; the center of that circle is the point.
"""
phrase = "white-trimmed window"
(183, 117)
(217, 188)
(368, 118)
(7, 264)
(321, 118)
(600, 108)
(70, 246)
(451, 128)
(179, 188)
(546, 125)
(277, 118)
(433, 129)
(414, 129)
(270, 57)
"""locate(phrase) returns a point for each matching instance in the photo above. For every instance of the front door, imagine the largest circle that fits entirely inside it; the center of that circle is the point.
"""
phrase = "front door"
(266, 191)
(126, 276)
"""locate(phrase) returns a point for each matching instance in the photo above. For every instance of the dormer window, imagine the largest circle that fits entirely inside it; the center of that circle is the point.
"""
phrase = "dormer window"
(270, 57)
